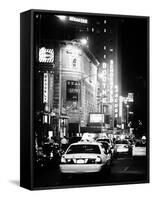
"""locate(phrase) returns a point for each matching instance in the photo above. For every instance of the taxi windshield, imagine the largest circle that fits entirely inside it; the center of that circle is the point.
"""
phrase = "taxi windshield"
(74, 149)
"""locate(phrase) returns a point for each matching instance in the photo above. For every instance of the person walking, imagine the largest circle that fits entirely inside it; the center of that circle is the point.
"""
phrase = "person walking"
(64, 143)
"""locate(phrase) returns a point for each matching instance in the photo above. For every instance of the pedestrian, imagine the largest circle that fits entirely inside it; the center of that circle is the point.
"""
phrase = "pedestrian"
(64, 143)
(52, 141)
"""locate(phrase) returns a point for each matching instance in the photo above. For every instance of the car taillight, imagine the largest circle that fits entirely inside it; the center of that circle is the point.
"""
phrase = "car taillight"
(91, 161)
(69, 160)
(98, 160)
(63, 160)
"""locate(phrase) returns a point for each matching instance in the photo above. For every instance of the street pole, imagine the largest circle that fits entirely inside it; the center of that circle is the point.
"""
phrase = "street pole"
(102, 115)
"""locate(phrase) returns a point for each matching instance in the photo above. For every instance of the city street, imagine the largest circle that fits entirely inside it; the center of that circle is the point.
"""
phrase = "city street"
(124, 169)
(87, 89)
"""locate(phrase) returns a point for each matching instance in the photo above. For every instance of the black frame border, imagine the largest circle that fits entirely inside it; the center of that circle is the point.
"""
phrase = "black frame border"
(27, 97)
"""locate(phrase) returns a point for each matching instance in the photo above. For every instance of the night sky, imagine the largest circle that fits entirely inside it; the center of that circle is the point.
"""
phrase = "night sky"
(134, 54)
(134, 64)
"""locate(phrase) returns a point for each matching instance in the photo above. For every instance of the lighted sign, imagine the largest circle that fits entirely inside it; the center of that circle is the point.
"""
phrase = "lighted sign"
(104, 82)
(96, 118)
(116, 99)
(111, 81)
(78, 19)
(130, 97)
(120, 106)
(46, 55)
(45, 88)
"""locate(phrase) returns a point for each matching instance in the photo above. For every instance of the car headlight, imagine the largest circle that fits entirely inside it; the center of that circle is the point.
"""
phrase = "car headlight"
(98, 160)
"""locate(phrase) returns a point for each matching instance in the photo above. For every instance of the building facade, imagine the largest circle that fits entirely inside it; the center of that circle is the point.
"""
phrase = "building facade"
(78, 91)
(110, 82)
(66, 88)
(70, 83)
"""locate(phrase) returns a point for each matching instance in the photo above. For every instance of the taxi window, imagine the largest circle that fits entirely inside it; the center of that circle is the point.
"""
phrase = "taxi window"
(74, 149)
(139, 144)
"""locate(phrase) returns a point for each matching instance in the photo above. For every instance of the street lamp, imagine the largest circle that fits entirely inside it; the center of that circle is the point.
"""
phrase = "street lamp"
(82, 42)
(61, 17)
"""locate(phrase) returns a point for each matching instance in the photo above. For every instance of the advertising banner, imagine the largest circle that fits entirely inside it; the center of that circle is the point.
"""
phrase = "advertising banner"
(72, 90)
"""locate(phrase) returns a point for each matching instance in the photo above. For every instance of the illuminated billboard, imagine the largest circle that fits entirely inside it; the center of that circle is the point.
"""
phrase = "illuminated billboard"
(96, 118)
(46, 55)
(111, 82)
(45, 88)
(116, 101)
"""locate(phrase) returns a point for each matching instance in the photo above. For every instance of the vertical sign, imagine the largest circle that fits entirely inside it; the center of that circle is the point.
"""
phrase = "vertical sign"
(104, 82)
(111, 81)
(116, 100)
(45, 88)
(120, 106)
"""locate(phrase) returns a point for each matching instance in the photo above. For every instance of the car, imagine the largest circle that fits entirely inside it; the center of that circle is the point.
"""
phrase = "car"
(84, 157)
(104, 139)
(122, 147)
(110, 147)
(139, 149)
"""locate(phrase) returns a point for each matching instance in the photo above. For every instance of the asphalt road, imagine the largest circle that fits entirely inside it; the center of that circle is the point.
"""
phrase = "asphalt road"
(124, 169)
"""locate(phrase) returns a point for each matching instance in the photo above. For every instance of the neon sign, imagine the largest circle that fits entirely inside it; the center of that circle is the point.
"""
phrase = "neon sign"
(46, 55)
(111, 81)
(104, 82)
(45, 88)
(116, 111)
